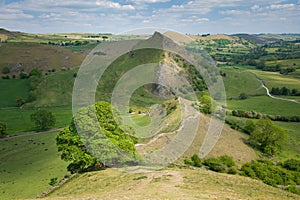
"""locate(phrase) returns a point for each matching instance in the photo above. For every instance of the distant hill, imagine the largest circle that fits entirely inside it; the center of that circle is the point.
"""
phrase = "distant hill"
(26, 56)
(252, 38)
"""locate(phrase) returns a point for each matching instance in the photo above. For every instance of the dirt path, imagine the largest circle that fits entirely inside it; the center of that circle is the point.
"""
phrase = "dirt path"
(268, 91)
(30, 133)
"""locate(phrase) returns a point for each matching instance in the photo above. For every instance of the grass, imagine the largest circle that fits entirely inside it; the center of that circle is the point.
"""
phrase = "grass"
(122, 65)
(27, 165)
(55, 90)
(266, 105)
(275, 79)
(141, 119)
(292, 147)
(166, 184)
(18, 120)
(11, 89)
(239, 81)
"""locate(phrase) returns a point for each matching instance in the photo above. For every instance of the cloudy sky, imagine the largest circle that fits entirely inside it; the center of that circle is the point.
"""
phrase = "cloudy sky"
(115, 16)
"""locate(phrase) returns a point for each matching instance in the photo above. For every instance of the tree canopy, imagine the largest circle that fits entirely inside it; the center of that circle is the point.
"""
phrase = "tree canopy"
(43, 119)
(268, 136)
(89, 140)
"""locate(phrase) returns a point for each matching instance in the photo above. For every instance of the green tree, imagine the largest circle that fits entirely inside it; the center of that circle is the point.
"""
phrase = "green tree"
(43, 119)
(3, 129)
(35, 72)
(268, 136)
(243, 96)
(108, 144)
(72, 150)
(249, 127)
(20, 101)
(5, 70)
(206, 104)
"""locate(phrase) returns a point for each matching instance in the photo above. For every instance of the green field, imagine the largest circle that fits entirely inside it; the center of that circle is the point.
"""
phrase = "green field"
(266, 105)
(294, 63)
(275, 79)
(27, 164)
(11, 89)
(18, 120)
(239, 81)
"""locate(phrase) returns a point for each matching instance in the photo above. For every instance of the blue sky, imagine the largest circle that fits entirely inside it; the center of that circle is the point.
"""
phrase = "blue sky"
(115, 16)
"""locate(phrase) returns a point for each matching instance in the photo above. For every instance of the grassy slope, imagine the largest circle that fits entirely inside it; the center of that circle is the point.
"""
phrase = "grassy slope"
(239, 81)
(55, 90)
(27, 167)
(11, 89)
(166, 184)
(33, 55)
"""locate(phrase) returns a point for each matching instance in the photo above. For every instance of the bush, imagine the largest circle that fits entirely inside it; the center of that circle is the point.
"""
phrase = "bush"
(293, 189)
(292, 164)
(188, 161)
(5, 70)
(196, 160)
(227, 160)
(220, 164)
(3, 129)
(23, 75)
(232, 170)
(53, 181)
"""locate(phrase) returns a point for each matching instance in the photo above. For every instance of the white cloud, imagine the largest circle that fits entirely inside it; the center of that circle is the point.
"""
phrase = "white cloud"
(148, 1)
(255, 7)
(234, 12)
(114, 5)
(281, 6)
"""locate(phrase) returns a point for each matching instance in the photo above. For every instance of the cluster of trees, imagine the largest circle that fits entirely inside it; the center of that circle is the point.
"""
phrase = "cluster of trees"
(285, 174)
(111, 145)
(264, 135)
(282, 174)
(284, 91)
(257, 115)
(69, 43)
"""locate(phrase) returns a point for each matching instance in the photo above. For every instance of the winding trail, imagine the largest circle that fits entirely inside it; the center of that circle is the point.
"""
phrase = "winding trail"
(268, 91)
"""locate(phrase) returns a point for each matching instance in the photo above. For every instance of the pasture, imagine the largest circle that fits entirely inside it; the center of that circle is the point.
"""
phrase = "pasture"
(12, 89)
(27, 164)
(266, 105)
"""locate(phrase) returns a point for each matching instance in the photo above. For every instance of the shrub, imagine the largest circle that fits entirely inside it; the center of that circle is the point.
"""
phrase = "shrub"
(188, 161)
(3, 129)
(53, 181)
(5, 70)
(232, 170)
(196, 160)
(292, 164)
